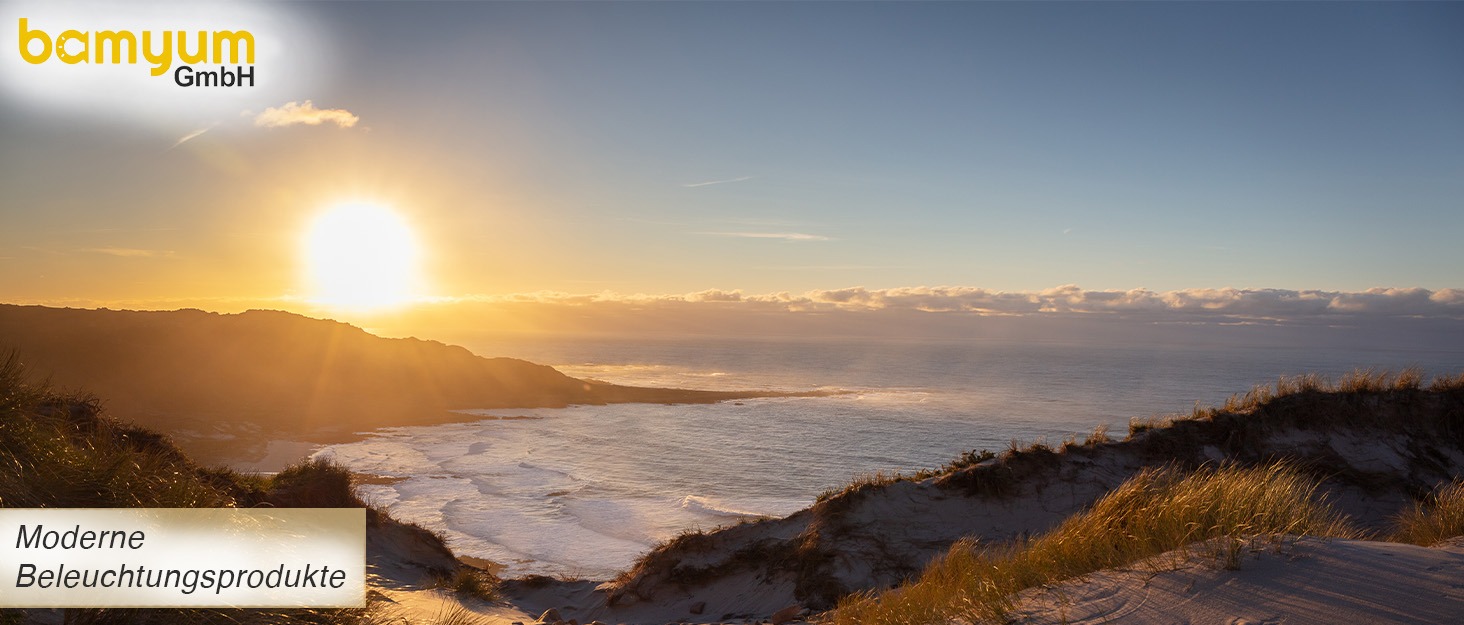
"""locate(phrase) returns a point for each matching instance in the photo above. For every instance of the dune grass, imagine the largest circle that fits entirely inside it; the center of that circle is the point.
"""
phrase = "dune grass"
(1360, 381)
(316, 483)
(1438, 517)
(1357, 382)
(1159, 510)
(60, 451)
(475, 583)
(57, 450)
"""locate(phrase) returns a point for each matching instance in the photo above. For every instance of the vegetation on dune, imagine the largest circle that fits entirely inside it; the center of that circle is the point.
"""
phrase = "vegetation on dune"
(316, 483)
(60, 451)
(1438, 517)
(475, 583)
(1359, 383)
(1157, 511)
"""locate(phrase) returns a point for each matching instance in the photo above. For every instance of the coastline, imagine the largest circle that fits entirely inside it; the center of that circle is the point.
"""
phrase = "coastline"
(254, 450)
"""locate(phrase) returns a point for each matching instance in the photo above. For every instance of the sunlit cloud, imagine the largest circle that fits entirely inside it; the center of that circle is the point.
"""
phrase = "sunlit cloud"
(785, 236)
(294, 113)
(712, 182)
(1229, 305)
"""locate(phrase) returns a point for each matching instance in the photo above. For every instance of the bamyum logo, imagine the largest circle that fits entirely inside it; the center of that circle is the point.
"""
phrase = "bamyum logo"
(74, 47)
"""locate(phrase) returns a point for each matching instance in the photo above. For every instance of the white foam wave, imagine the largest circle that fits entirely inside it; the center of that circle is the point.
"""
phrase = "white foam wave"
(707, 505)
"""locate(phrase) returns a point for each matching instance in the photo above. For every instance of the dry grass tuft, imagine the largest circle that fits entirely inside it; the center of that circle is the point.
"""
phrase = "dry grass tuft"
(861, 482)
(1360, 381)
(456, 615)
(474, 582)
(1440, 516)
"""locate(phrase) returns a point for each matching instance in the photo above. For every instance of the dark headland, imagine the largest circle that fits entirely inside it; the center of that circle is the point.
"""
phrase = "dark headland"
(223, 384)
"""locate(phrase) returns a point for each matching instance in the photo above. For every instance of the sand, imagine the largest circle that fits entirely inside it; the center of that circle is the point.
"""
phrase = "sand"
(278, 454)
(1291, 580)
(1305, 581)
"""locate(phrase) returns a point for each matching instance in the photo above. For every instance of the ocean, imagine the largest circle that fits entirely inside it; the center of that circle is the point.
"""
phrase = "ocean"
(582, 491)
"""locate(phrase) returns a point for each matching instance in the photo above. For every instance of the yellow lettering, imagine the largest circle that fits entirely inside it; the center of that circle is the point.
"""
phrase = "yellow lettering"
(163, 60)
(117, 45)
(236, 40)
(26, 36)
(104, 36)
(66, 57)
(202, 54)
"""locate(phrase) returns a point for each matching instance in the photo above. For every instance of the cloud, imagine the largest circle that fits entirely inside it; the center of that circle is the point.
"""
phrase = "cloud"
(712, 182)
(127, 252)
(786, 236)
(191, 136)
(293, 113)
(1382, 319)
(1226, 305)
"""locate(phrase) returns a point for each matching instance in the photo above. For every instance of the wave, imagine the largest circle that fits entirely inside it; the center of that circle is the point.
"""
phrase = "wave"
(713, 507)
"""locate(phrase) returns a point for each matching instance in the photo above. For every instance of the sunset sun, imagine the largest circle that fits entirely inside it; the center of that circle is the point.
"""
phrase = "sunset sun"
(361, 257)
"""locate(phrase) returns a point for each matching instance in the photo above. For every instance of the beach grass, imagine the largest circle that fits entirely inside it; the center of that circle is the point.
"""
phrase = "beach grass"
(1157, 511)
(1436, 518)
(474, 583)
(59, 450)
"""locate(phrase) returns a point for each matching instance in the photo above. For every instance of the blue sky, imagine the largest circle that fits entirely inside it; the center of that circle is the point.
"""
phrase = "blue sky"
(672, 148)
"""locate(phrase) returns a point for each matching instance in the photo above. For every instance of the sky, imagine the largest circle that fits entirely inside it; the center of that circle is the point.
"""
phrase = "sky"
(1256, 158)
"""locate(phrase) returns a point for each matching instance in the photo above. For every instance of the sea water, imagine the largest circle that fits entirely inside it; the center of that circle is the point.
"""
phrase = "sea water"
(582, 491)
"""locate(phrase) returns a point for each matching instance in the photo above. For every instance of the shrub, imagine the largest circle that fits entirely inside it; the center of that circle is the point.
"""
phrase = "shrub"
(313, 483)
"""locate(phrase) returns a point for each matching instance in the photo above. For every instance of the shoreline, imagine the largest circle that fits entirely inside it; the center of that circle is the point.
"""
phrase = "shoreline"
(257, 451)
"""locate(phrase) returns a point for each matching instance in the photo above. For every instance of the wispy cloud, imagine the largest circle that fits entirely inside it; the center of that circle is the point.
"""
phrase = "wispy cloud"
(192, 135)
(294, 113)
(786, 236)
(827, 267)
(712, 182)
(156, 229)
(128, 252)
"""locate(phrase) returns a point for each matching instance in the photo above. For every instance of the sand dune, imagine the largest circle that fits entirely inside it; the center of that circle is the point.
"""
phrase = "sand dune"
(1375, 450)
(1299, 582)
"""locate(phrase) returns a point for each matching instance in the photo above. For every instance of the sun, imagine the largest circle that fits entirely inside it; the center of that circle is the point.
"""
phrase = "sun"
(361, 257)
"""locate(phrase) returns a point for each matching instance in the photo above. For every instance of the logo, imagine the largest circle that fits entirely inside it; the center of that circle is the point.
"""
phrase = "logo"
(160, 50)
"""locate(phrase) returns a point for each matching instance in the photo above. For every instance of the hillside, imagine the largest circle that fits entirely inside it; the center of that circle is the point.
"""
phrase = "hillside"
(259, 374)
(63, 451)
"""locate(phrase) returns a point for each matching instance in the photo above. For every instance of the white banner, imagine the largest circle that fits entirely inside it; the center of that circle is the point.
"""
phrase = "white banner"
(177, 557)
